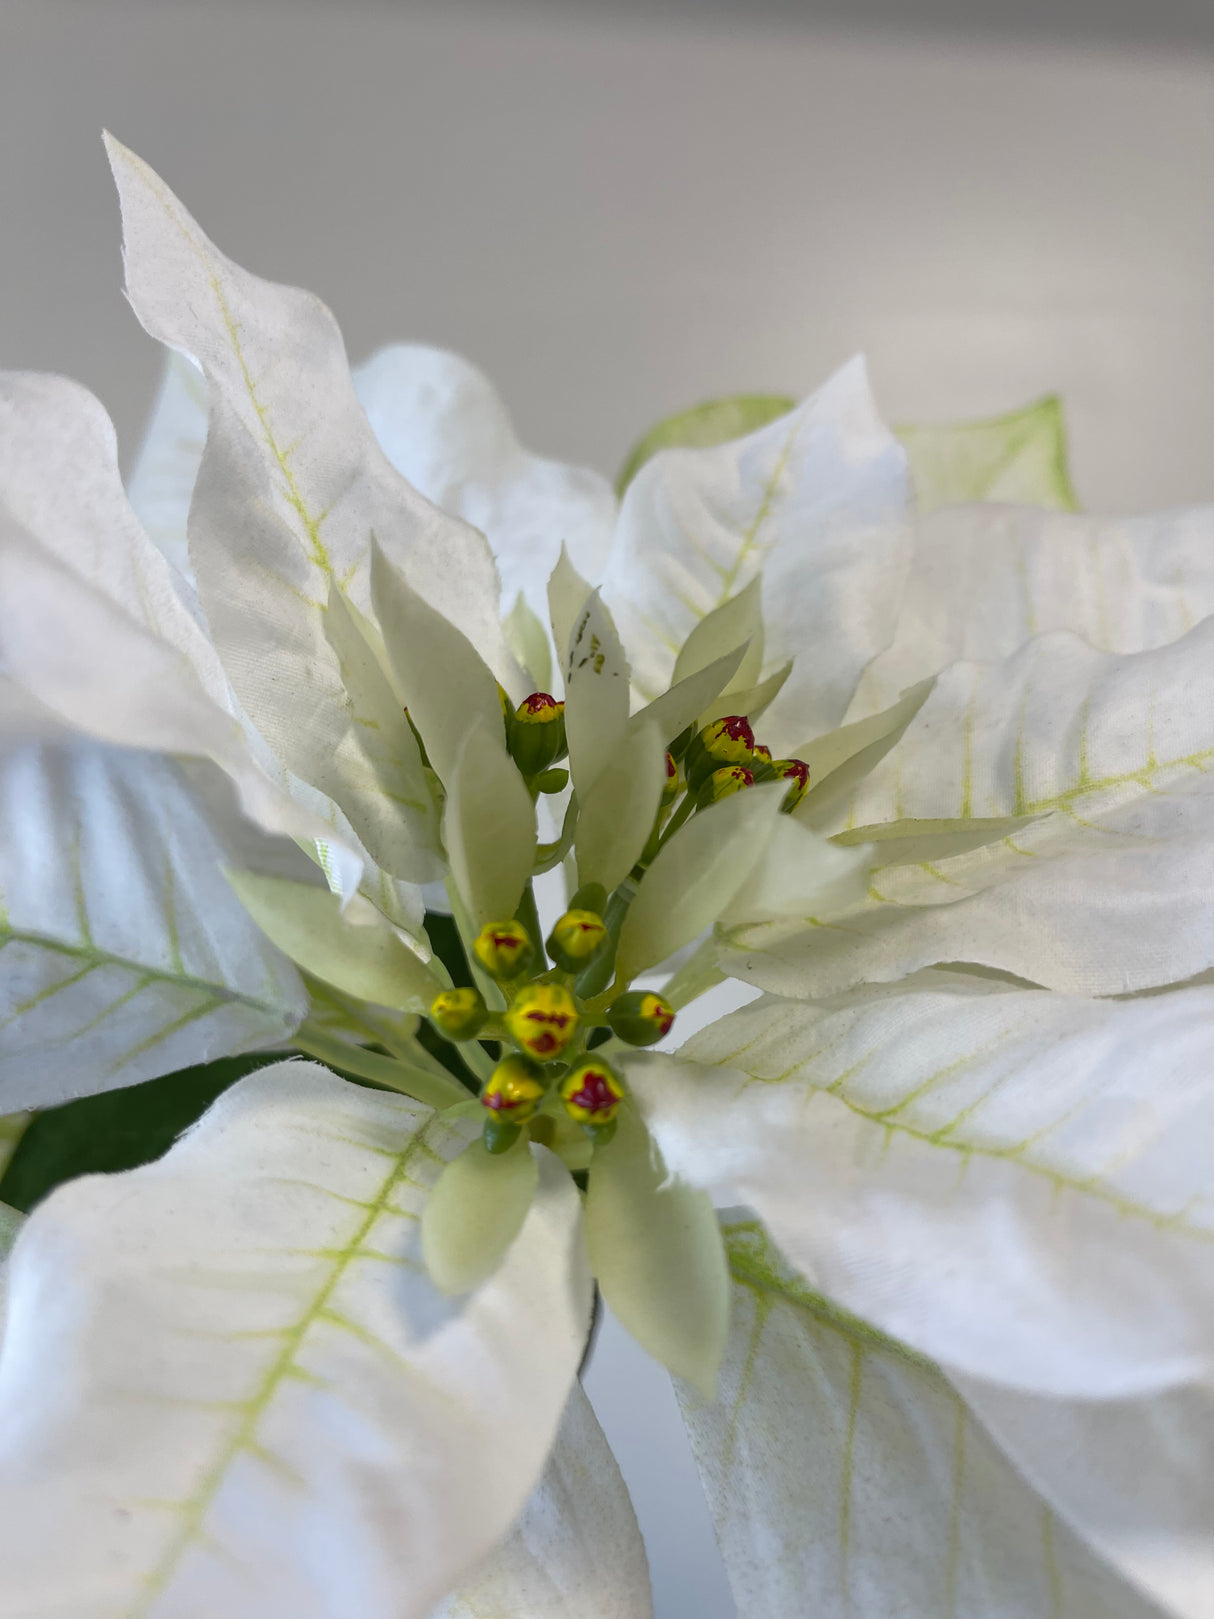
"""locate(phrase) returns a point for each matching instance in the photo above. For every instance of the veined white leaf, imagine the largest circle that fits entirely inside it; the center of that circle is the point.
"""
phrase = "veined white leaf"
(596, 693)
(292, 488)
(694, 878)
(846, 1476)
(489, 828)
(444, 426)
(1133, 1477)
(443, 680)
(1020, 456)
(1013, 1182)
(576, 1552)
(818, 501)
(124, 952)
(475, 1212)
(228, 1386)
(656, 1252)
(353, 947)
(987, 579)
(618, 813)
(1106, 893)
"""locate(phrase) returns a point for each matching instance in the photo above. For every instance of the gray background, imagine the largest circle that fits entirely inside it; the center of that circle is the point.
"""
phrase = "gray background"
(617, 209)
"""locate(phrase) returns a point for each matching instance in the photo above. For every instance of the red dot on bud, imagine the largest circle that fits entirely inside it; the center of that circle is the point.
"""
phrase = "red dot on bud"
(539, 704)
(737, 728)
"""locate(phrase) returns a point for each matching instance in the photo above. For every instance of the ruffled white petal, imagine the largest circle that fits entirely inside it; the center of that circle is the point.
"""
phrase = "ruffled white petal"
(818, 501)
(846, 1476)
(576, 1552)
(1107, 892)
(986, 579)
(291, 493)
(443, 426)
(227, 1385)
(1014, 1182)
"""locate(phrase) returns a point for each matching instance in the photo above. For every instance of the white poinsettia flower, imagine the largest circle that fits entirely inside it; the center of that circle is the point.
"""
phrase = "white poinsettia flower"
(321, 1358)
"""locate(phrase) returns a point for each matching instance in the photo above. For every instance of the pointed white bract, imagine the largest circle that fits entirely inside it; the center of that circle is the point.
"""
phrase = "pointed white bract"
(166, 465)
(820, 494)
(228, 1385)
(1009, 1180)
(846, 1476)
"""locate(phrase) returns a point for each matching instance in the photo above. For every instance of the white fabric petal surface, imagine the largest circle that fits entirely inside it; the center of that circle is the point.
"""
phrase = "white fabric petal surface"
(291, 492)
(1013, 1182)
(1107, 893)
(124, 952)
(846, 1477)
(1134, 1477)
(819, 500)
(59, 482)
(444, 427)
(229, 1387)
(986, 579)
(167, 462)
(576, 1552)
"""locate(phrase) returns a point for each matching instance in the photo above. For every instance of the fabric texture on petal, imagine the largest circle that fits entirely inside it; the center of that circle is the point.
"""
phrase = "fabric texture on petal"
(227, 1385)
(846, 1476)
(1011, 1181)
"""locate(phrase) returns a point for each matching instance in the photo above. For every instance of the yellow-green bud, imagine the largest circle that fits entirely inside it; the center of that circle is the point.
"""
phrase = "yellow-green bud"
(576, 939)
(460, 1014)
(670, 786)
(504, 949)
(640, 1017)
(592, 1093)
(542, 1020)
(796, 773)
(537, 732)
(723, 783)
(727, 741)
(513, 1091)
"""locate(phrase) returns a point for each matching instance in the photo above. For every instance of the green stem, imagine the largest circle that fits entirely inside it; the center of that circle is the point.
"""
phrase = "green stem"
(528, 914)
(679, 819)
(435, 1090)
(477, 1058)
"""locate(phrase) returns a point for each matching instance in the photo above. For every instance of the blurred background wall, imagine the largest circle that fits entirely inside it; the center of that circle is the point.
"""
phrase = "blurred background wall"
(619, 207)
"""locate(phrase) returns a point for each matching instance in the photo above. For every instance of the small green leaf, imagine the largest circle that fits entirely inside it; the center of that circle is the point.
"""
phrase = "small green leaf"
(1020, 457)
(488, 827)
(357, 951)
(657, 1252)
(842, 757)
(617, 818)
(474, 1213)
(909, 842)
(699, 428)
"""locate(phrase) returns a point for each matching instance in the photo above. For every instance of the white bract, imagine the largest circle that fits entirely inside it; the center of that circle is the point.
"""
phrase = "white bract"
(951, 1351)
